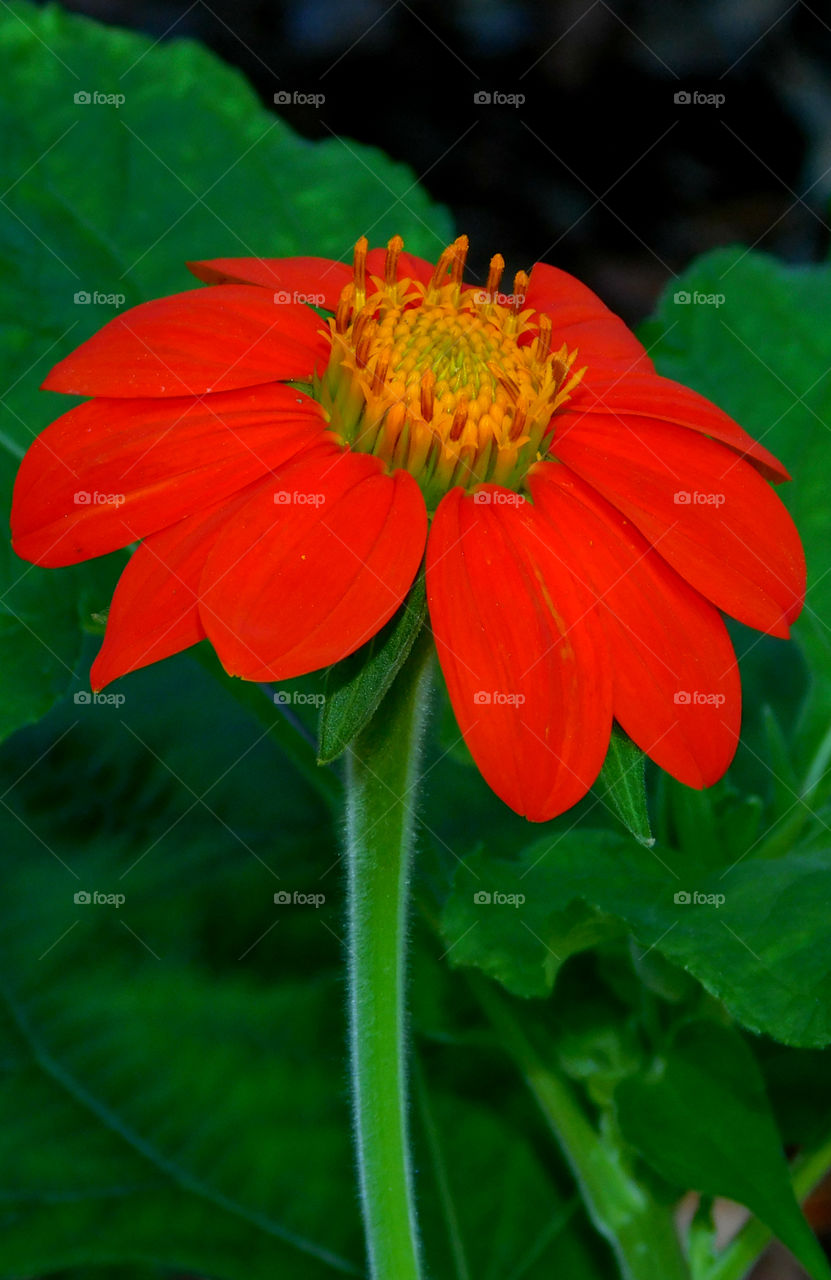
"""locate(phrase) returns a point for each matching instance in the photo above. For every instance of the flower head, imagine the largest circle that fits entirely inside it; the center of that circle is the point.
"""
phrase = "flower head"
(438, 379)
(288, 444)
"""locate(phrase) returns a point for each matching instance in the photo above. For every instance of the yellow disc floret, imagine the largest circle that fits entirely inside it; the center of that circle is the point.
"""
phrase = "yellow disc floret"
(436, 378)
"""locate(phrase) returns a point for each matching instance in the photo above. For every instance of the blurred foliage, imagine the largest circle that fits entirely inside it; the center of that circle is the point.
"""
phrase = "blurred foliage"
(110, 201)
(174, 1084)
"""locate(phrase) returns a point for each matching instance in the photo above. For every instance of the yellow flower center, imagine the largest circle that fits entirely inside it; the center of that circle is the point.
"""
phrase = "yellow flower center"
(437, 379)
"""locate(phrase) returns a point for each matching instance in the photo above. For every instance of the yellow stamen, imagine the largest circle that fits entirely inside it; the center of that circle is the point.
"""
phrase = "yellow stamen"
(438, 379)
(497, 266)
(359, 269)
(394, 248)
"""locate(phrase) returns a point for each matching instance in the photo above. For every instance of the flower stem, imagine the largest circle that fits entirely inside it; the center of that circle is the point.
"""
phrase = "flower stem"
(639, 1230)
(382, 773)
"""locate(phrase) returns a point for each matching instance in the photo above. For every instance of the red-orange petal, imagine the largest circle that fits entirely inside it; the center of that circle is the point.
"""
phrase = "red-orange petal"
(112, 471)
(708, 513)
(675, 681)
(579, 318)
(313, 565)
(314, 281)
(155, 609)
(650, 396)
(521, 649)
(214, 339)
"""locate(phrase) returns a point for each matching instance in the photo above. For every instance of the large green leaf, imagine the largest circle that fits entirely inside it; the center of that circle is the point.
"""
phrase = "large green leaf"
(110, 201)
(516, 1224)
(702, 1119)
(173, 1091)
(756, 934)
(119, 1157)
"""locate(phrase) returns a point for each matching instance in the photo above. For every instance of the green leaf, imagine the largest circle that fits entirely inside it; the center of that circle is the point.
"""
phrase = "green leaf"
(189, 1107)
(498, 919)
(797, 1085)
(111, 201)
(356, 687)
(117, 1168)
(42, 619)
(763, 356)
(702, 1119)
(515, 1222)
(754, 934)
(622, 787)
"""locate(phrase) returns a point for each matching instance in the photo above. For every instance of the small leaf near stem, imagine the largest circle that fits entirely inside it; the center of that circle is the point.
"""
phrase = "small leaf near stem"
(356, 687)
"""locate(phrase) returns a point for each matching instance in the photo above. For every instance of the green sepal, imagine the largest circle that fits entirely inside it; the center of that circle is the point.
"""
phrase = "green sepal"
(356, 687)
(622, 788)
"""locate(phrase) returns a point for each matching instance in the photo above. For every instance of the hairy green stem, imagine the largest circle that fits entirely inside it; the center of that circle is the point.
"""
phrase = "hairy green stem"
(382, 775)
(640, 1231)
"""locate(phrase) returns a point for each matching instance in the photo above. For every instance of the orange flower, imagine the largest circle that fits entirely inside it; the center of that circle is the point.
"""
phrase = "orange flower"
(584, 520)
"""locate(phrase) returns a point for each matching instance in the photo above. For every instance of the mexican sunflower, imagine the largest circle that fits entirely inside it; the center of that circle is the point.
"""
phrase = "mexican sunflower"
(288, 444)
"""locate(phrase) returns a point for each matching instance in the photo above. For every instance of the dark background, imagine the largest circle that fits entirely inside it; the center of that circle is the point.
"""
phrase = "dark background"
(599, 170)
